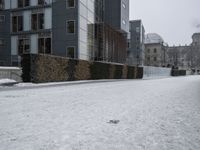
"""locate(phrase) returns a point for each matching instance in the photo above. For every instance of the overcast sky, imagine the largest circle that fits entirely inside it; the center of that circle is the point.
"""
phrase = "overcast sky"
(174, 20)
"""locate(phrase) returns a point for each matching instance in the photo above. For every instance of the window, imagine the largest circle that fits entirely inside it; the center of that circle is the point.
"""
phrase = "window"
(2, 42)
(17, 23)
(44, 45)
(148, 58)
(23, 46)
(129, 45)
(70, 3)
(42, 2)
(155, 58)
(37, 21)
(124, 5)
(148, 50)
(2, 18)
(137, 29)
(23, 3)
(124, 22)
(1, 4)
(155, 50)
(70, 26)
(71, 52)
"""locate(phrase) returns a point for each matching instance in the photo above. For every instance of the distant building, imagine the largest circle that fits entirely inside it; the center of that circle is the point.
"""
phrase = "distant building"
(136, 43)
(178, 56)
(155, 50)
(186, 57)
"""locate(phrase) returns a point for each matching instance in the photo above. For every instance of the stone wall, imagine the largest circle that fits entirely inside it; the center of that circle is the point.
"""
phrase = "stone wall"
(48, 68)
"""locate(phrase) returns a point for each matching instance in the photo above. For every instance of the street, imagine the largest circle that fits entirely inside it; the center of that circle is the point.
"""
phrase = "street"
(156, 114)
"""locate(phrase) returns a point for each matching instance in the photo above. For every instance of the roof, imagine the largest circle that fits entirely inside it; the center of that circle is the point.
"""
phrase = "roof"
(151, 38)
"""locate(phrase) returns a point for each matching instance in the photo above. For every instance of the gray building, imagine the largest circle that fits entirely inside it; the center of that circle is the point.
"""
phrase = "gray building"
(117, 14)
(155, 50)
(58, 27)
(136, 43)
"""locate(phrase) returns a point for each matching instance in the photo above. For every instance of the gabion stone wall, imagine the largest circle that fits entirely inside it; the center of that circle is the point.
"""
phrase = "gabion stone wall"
(39, 68)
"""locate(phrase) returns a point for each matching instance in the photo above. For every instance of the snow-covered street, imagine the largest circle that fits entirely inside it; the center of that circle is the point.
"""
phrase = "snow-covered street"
(157, 114)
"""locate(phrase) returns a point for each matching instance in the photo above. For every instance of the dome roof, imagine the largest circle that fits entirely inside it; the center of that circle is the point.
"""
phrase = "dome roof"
(153, 38)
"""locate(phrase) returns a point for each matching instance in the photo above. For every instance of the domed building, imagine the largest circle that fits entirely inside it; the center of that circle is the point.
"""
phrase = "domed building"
(153, 38)
(155, 50)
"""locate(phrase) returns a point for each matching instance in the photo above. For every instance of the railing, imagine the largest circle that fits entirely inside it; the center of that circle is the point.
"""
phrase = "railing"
(156, 72)
(11, 73)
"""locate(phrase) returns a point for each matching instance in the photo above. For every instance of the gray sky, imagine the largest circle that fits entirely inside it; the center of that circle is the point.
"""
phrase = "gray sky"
(174, 20)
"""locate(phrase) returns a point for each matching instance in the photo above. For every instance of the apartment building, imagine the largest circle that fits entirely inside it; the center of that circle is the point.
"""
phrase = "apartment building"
(58, 27)
(26, 28)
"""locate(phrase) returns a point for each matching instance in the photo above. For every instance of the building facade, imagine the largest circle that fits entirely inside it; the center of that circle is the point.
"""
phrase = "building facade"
(155, 50)
(27, 28)
(136, 47)
(117, 14)
(186, 57)
(58, 27)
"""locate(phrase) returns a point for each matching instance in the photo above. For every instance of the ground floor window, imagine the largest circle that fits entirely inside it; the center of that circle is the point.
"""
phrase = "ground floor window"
(23, 46)
(71, 52)
(44, 45)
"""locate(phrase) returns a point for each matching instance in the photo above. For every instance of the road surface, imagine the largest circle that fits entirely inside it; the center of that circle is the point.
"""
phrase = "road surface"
(159, 114)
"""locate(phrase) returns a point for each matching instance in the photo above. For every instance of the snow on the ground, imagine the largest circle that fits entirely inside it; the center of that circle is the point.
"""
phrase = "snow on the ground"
(2, 81)
(6, 68)
(161, 114)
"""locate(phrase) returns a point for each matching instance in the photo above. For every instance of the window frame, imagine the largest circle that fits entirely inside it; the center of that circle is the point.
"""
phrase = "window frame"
(44, 44)
(67, 6)
(74, 26)
(17, 23)
(24, 46)
(38, 23)
(23, 4)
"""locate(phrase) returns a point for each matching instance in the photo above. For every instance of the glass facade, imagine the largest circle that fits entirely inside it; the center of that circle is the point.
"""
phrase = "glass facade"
(86, 29)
